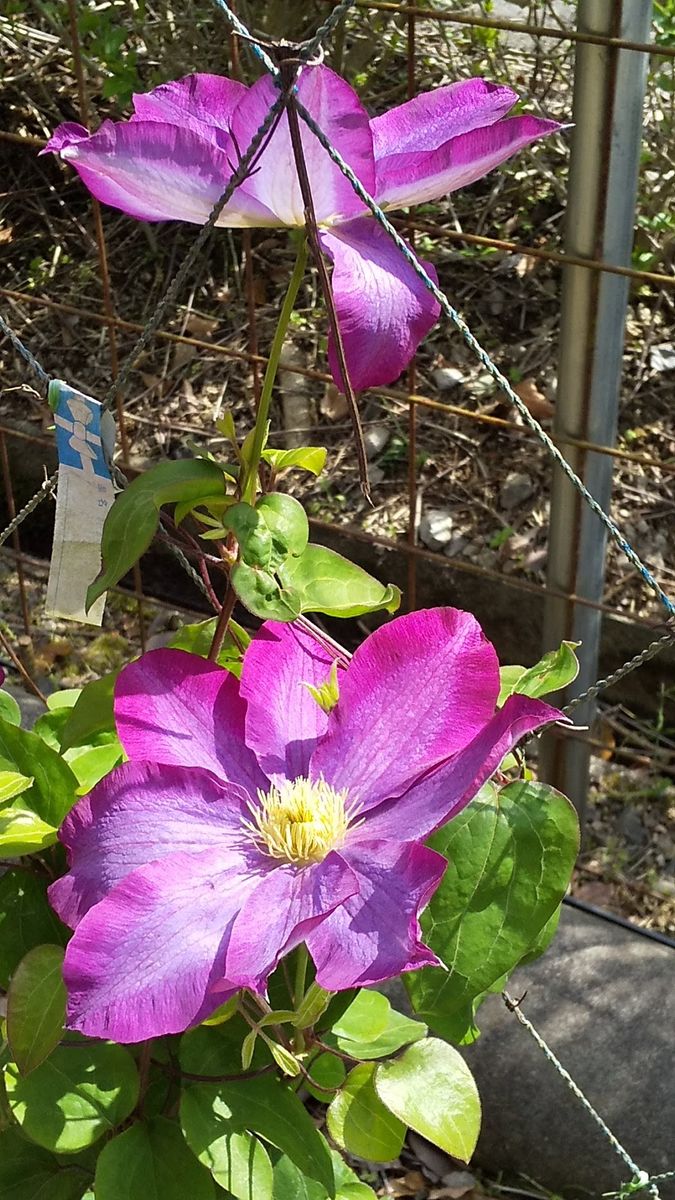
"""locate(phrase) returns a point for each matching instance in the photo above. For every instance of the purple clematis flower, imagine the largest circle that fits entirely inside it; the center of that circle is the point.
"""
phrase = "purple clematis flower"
(248, 819)
(172, 161)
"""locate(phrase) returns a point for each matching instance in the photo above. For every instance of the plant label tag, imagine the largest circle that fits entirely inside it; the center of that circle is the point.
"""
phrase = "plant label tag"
(85, 438)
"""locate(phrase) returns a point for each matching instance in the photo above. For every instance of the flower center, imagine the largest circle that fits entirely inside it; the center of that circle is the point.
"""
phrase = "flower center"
(301, 821)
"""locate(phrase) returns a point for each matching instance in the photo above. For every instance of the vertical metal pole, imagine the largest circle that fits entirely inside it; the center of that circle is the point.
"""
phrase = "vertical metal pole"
(609, 91)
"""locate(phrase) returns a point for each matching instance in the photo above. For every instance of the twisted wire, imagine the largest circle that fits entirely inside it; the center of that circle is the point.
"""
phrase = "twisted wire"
(238, 176)
(26, 354)
(483, 357)
(640, 1177)
(649, 652)
(315, 44)
(44, 490)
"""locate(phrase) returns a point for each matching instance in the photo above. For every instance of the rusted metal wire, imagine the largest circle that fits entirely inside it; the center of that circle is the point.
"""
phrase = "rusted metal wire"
(11, 512)
(539, 31)
(455, 410)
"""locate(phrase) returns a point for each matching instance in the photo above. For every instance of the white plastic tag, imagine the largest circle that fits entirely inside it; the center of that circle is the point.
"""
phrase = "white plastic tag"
(85, 438)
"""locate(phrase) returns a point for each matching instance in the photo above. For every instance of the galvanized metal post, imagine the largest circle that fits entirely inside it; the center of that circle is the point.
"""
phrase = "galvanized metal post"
(609, 91)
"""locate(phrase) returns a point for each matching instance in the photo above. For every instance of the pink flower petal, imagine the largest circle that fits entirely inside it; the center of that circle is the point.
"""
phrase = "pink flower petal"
(445, 791)
(140, 963)
(417, 178)
(176, 708)
(338, 110)
(157, 172)
(66, 134)
(383, 308)
(203, 103)
(375, 935)
(417, 691)
(280, 913)
(404, 136)
(283, 720)
(139, 813)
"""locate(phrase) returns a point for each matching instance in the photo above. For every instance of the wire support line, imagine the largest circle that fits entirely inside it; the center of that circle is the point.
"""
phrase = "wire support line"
(539, 31)
(45, 489)
(476, 347)
(26, 354)
(483, 357)
(248, 37)
(639, 1176)
(238, 176)
(455, 410)
(638, 660)
(315, 44)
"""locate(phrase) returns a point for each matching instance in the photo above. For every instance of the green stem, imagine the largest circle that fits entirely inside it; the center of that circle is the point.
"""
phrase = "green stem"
(301, 964)
(262, 416)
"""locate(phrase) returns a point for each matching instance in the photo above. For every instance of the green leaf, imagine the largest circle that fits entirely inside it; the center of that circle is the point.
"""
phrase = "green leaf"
(79, 1094)
(235, 1158)
(308, 458)
(36, 1007)
(291, 1184)
(365, 1018)
(511, 855)
(151, 1161)
(21, 832)
(553, 672)
(197, 639)
(431, 1089)
(328, 583)
(13, 784)
(132, 521)
(261, 594)
(287, 522)
(372, 1029)
(216, 1050)
(359, 1121)
(91, 763)
(313, 1005)
(266, 1107)
(52, 793)
(29, 1173)
(26, 920)
(9, 709)
(329, 1073)
(92, 714)
(252, 534)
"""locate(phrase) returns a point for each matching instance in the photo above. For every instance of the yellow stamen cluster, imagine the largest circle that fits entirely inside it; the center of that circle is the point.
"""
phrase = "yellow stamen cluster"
(301, 821)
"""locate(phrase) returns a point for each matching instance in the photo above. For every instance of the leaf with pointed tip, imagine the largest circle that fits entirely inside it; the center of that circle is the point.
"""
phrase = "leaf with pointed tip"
(359, 1121)
(132, 521)
(307, 458)
(511, 854)
(326, 582)
(430, 1088)
(36, 1007)
(151, 1159)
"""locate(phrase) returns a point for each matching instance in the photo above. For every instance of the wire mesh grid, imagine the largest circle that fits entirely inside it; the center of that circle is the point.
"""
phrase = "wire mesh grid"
(402, 404)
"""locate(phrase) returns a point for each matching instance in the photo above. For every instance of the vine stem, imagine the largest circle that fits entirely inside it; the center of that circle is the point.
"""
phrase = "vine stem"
(223, 622)
(262, 416)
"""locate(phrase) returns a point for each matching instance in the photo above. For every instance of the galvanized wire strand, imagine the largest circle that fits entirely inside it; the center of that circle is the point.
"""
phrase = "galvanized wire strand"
(649, 652)
(44, 490)
(26, 354)
(473, 343)
(238, 176)
(243, 32)
(640, 1176)
(483, 357)
(316, 43)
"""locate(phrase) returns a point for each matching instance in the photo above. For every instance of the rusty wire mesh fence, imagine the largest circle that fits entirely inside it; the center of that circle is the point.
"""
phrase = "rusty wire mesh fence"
(461, 484)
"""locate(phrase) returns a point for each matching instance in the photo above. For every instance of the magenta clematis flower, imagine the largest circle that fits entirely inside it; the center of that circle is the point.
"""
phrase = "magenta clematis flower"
(172, 161)
(248, 820)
